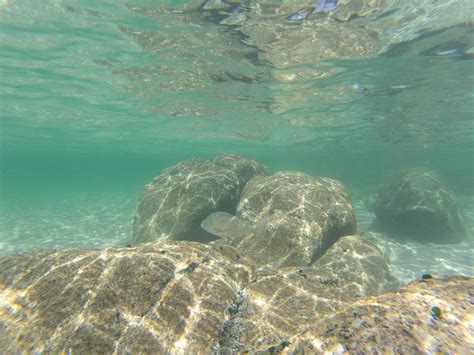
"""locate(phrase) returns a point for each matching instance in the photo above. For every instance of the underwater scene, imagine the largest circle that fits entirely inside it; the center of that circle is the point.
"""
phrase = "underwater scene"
(225, 176)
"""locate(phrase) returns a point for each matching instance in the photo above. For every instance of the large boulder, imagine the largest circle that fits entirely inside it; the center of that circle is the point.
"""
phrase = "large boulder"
(302, 312)
(285, 301)
(426, 317)
(157, 297)
(416, 204)
(302, 217)
(174, 203)
(357, 267)
(187, 297)
(174, 296)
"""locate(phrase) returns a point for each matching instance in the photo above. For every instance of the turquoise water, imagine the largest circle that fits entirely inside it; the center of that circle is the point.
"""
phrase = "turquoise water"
(97, 97)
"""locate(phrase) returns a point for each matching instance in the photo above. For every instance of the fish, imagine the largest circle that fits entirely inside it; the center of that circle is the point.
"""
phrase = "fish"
(231, 228)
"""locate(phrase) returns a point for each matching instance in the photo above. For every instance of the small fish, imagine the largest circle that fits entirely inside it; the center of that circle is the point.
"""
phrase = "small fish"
(232, 228)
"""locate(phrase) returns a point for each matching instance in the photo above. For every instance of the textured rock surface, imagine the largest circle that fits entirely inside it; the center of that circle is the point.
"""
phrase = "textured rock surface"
(400, 322)
(304, 216)
(174, 204)
(187, 297)
(151, 298)
(285, 301)
(416, 203)
(357, 266)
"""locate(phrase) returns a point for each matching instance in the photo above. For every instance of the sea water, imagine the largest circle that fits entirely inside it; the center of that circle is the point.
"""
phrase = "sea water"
(98, 97)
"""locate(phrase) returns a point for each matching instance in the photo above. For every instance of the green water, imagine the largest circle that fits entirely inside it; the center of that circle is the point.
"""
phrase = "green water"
(97, 97)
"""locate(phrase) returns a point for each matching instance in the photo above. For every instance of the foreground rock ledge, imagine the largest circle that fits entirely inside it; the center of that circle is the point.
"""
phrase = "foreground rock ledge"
(187, 297)
(154, 298)
(400, 322)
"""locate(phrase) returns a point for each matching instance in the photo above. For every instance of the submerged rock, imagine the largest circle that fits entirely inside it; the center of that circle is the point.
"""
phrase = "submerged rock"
(399, 322)
(157, 297)
(358, 266)
(187, 297)
(417, 204)
(174, 203)
(304, 217)
(284, 301)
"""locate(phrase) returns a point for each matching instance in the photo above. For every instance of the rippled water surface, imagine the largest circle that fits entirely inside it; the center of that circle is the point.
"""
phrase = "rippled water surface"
(97, 97)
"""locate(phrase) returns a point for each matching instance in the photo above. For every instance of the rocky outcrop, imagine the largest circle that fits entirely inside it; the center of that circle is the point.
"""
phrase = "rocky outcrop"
(425, 317)
(174, 203)
(417, 204)
(303, 217)
(357, 267)
(187, 297)
(285, 301)
(296, 279)
(152, 298)
(174, 296)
